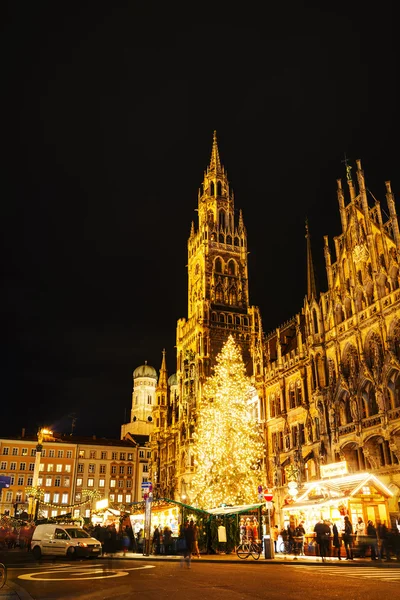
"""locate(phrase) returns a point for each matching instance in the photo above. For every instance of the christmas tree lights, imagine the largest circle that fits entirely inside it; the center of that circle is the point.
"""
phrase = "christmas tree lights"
(228, 448)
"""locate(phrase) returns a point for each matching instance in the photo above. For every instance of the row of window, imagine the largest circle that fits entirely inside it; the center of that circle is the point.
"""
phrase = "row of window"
(21, 480)
(24, 452)
(13, 466)
(48, 481)
(121, 469)
(46, 498)
(103, 455)
(102, 483)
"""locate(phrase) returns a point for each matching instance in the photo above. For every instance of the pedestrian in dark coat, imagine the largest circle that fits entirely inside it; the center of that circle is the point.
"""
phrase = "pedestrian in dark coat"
(336, 540)
(189, 538)
(347, 537)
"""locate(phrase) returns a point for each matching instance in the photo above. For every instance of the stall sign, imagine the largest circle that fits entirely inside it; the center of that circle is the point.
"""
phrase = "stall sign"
(334, 469)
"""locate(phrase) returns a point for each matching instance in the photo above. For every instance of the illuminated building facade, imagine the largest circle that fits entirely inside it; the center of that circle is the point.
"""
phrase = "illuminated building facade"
(327, 382)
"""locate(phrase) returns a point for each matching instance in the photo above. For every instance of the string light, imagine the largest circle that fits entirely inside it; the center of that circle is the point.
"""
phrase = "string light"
(228, 449)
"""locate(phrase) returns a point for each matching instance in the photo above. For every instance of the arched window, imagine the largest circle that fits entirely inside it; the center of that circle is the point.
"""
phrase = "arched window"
(218, 265)
(212, 189)
(221, 219)
(221, 238)
(229, 240)
(236, 241)
(222, 318)
(231, 267)
(219, 188)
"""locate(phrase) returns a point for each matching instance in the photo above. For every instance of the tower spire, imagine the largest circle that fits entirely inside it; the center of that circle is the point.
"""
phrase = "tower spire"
(311, 285)
(215, 162)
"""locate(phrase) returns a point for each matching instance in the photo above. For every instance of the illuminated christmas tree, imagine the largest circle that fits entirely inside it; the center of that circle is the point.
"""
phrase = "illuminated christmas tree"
(228, 448)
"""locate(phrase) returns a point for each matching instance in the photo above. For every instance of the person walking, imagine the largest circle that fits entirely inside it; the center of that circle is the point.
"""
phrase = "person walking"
(372, 540)
(383, 537)
(125, 541)
(196, 551)
(189, 537)
(360, 536)
(336, 540)
(156, 540)
(347, 537)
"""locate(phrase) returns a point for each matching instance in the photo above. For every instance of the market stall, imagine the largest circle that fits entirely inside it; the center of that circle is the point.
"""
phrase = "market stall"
(356, 495)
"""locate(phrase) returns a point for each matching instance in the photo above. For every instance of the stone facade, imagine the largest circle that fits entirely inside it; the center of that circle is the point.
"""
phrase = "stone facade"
(328, 380)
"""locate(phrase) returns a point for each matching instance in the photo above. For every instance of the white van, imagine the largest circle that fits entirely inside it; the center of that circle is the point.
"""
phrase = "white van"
(63, 540)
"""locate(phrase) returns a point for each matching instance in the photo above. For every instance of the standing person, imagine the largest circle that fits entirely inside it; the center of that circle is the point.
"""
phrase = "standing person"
(372, 540)
(383, 536)
(291, 531)
(188, 533)
(300, 533)
(275, 537)
(156, 540)
(347, 537)
(125, 540)
(323, 532)
(167, 536)
(360, 536)
(336, 540)
(196, 551)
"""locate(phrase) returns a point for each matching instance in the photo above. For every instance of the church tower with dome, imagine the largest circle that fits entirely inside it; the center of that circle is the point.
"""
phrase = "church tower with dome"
(143, 399)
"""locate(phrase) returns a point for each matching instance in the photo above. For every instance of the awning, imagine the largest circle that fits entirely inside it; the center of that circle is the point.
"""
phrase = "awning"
(234, 510)
(327, 491)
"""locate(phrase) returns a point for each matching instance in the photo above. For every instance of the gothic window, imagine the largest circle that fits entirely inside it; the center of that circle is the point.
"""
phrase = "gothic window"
(221, 220)
(221, 238)
(317, 428)
(302, 437)
(344, 411)
(295, 436)
(347, 307)
(369, 404)
(237, 320)
(272, 407)
(210, 216)
(218, 265)
(212, 189)
(231, 267)
(394, 389)
(213, 316)
(219, 294)
(230, 319)
(315, 321)
(229, 240)
(219, 188)
(222, 318)
(292, 396)
(299, 394)
(245, 321)
(236, 241)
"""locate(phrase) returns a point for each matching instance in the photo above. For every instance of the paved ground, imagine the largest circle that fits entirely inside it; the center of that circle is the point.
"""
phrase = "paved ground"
(12, 591)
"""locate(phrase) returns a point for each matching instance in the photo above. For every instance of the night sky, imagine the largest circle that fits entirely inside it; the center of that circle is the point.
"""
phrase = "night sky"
(107, 129)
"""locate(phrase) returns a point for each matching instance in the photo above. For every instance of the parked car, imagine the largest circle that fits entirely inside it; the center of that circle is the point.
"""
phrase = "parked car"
(63, 540)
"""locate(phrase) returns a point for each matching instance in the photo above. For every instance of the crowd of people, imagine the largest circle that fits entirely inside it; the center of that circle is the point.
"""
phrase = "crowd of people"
(16, 535)
(342, 540)
(378, 542)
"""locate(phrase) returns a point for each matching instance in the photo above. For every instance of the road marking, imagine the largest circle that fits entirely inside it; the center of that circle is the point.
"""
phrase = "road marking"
(83, 573)
(390, 574)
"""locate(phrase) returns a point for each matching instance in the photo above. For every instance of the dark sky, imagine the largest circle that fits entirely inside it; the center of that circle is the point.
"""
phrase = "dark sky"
(108, 123)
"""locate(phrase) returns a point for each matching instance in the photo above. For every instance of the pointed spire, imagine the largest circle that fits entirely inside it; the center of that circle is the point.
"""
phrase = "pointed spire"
(215, 162)
(192, 230)
(311, 286)
(163, 379)
(241, 224)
